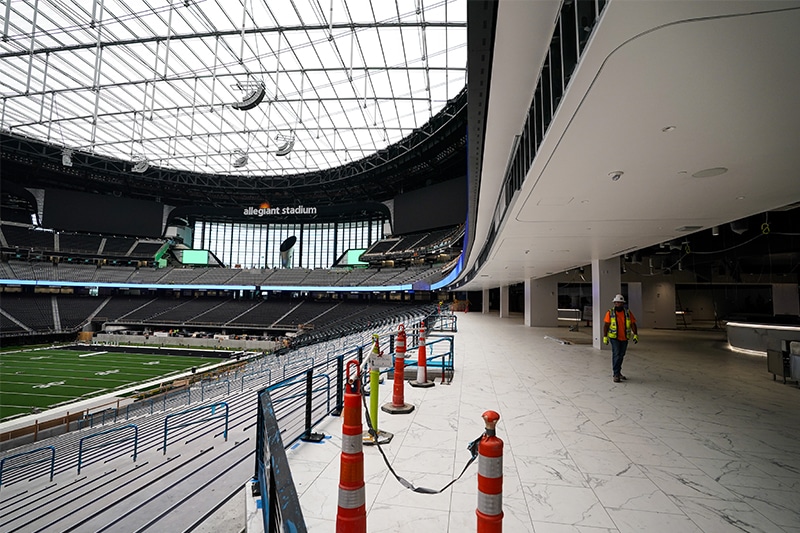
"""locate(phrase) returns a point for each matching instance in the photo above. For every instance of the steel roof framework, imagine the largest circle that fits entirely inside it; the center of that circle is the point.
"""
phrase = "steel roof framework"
(131, 80)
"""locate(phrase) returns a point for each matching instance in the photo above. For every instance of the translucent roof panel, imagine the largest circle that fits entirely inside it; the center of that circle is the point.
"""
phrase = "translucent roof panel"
(244, 87)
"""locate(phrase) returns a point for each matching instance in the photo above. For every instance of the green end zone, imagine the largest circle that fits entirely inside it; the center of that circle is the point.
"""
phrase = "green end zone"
(40, 379)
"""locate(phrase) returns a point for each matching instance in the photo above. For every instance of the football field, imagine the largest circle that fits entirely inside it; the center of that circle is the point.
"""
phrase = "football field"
(43, 378)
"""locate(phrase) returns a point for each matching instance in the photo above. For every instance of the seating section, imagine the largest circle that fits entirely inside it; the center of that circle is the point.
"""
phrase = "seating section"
(82, 244)
(33, 310)
(412, 248)
(75, 311)
(17, 238)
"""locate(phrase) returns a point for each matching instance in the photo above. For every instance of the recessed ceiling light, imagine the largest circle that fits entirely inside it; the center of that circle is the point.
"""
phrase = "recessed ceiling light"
(740, 197)
(710, 172)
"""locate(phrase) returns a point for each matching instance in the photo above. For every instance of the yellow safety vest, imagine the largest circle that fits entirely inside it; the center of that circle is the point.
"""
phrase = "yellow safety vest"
(612, 327)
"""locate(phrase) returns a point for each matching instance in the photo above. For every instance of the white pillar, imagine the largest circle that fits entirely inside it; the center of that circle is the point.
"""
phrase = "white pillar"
(635, 300)
(504, 301)
(485, 301)
(606, 282)
(541, 302)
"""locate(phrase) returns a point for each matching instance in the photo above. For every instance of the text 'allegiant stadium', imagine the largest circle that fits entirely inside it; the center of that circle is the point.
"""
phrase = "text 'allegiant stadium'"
(262, 211)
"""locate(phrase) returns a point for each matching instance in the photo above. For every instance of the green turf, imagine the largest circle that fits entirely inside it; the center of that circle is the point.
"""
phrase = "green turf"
(43, 378)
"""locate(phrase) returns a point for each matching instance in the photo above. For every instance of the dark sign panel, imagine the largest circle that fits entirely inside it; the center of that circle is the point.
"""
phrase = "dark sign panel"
(95, 213)
(437, 206)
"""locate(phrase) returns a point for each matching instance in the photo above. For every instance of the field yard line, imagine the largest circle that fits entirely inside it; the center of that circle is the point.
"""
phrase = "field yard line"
(91, 354)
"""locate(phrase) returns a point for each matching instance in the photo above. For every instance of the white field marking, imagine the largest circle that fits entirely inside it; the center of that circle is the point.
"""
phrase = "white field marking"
(106, 372)
(48, 385)
(91, 354)
(40, 357)
(152, 363)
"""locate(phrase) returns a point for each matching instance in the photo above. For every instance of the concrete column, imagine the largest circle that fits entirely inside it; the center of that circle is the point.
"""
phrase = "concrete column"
(485, 301)
(635, 299)
(606, 282)
(658, 298)
(504, 301)
(541, 302)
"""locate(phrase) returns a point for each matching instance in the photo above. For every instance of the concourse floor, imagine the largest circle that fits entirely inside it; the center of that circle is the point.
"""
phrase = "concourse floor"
(699, 439)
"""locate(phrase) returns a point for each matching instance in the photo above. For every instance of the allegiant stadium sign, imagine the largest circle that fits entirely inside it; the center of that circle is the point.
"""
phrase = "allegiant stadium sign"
(265, 211)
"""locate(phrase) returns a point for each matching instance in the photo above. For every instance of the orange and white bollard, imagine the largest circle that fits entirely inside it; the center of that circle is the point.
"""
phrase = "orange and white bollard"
(490, 478)
(351, 515)
(422, 361)
(398, 406)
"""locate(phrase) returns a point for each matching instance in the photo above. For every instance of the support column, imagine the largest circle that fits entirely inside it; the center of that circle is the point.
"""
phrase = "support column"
(504, 301)
(606, 282)
(635, 299)
(541, 302)
(485, 301)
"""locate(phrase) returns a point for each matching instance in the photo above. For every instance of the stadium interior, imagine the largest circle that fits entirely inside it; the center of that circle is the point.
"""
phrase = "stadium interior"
(269, 186)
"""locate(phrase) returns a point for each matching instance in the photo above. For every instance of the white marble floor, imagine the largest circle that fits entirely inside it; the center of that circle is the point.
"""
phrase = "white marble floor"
(699, 439)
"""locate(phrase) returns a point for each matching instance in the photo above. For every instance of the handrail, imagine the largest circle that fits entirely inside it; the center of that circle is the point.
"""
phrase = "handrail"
(109, 443)
(213, 407)
(52, 461)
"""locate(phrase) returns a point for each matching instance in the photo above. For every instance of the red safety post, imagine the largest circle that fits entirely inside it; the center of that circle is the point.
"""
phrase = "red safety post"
(351, 515)
(398, 406)
(490, 478)
(422, 361)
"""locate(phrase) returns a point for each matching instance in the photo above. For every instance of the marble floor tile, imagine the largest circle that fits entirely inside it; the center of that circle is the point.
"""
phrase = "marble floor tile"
(637, 494)
(633, 521)
(699, 439)
(723, 516)
(576, 506)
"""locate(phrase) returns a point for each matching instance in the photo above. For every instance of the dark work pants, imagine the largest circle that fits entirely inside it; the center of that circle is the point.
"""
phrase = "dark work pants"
(618, 349)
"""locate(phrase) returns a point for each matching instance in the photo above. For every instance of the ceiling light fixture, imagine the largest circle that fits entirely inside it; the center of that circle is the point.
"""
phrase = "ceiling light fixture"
(710, 172)
(615, 175)
(667, 129)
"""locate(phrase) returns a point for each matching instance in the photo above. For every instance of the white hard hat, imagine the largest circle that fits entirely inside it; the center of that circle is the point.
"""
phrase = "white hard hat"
(619, 298)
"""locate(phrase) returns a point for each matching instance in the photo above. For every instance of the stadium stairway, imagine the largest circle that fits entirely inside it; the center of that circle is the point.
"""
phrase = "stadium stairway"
(193, 486)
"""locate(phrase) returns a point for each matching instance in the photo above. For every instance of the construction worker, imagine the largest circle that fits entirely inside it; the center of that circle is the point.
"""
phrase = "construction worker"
(619, 325)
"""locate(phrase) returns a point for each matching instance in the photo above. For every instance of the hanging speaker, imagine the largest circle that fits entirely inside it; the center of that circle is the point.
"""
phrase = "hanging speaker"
(287, 251)
(252, 99)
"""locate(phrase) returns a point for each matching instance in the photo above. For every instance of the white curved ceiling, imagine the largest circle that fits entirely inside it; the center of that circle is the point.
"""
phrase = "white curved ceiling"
(665, 90)
(161, 81)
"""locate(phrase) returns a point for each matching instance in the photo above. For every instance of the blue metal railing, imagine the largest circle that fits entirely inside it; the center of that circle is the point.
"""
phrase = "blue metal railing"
(52, 460)
(109, 443)
(212, 416)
